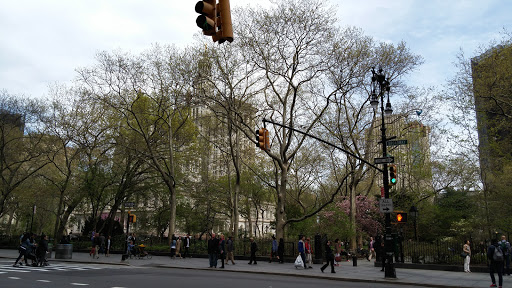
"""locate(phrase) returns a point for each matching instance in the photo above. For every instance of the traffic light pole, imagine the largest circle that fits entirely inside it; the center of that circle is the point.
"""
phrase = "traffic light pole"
(389, 271)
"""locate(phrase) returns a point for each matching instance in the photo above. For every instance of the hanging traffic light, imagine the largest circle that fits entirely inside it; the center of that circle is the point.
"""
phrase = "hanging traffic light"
(401, 217)
(225, 28)
(206, 20)
(262, 140)
(392, 175)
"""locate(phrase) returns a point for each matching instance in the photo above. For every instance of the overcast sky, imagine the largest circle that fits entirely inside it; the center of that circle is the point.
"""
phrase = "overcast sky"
(43, 42)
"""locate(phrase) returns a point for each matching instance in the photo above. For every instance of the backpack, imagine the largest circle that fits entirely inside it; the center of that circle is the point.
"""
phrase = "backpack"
(498, 254)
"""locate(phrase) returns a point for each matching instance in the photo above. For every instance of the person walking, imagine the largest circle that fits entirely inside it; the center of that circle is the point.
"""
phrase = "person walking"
(254, 248)
(372, 249)
(467, 251)
(309, 253)
(222, 250)
(302, 250)
(329, 256)
(273, 249)
(505, 247)
(213, 249)
(187, 246)
(24, 249)
(173, 247)
(41, 250)
(96, 246)
(102, 243)
(280, 251)
(338, 248)
(495, 262)
(108, 245)
(230, 247)
(178, 247)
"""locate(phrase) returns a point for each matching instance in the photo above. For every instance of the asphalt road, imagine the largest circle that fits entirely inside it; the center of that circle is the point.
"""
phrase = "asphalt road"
(114, 276)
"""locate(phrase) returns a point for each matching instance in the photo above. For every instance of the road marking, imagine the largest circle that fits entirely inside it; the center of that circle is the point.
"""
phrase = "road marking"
(45, 281)
(79, 284)
(14, 278)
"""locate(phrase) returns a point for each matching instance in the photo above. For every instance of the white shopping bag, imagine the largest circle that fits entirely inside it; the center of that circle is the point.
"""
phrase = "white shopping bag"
(298, 262)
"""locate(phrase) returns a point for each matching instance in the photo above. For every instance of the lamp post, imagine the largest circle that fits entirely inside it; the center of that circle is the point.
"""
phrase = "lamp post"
(414, 213)
(380, 86)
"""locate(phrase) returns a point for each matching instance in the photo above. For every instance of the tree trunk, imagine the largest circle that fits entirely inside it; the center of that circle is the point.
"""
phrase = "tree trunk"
(281, 202)
(353, 213)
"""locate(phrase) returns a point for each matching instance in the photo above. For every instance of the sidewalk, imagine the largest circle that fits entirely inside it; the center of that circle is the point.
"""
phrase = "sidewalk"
(364, 272)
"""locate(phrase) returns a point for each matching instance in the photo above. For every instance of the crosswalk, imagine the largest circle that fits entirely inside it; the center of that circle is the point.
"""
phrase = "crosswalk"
(8, 268)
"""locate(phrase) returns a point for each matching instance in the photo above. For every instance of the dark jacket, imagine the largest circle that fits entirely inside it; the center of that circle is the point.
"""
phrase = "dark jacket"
(254, 247)
(328, 253)
(213, 246)
(230, 245)
(490, 252)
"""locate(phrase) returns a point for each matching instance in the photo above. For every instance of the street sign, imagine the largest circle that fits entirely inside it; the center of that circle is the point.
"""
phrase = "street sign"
(396, 142)
(386, 205)
(384, 160)
(129, 204)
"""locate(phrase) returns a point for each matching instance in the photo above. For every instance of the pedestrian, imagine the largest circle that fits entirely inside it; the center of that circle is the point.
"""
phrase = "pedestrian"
(273, 249)
(329, 257)
(187, 246)
(102, 243)
(178, 247)
(25, 245)
(338, 249)
(213, 248)
(96, 246)
(230, 247)
(93, 247)
(222, 250)
(173, 246)
(309, 253)
(254, 248)
(108, 245)
(505, 247)
(495, 262)
(41, 250)
(382, 253)
(302, 250)
(372, 249)
(466, 249)
(280, 251)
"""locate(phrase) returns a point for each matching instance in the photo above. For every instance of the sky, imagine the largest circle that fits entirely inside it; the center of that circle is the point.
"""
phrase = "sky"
(42, 43)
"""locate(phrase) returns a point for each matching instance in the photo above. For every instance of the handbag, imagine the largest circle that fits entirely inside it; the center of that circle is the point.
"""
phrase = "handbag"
(337, 258)
(298, 262)
(463, 254)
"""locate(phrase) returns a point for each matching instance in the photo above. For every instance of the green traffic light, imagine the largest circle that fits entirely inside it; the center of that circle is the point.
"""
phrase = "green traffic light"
(393, 180)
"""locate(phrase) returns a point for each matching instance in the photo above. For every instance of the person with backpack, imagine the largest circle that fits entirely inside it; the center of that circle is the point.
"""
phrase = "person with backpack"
(467, 251)
(505, 247)
(495, 257)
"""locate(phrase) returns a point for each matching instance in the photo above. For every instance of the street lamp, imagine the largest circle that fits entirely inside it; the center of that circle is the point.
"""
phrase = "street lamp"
(414, 213)
(380, 86)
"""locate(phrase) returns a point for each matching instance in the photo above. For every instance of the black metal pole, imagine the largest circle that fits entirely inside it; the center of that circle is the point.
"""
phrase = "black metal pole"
(389, 271)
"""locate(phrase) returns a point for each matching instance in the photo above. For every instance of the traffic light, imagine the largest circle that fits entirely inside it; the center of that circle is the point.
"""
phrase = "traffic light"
(215, 19)
(262, 139)
(401, 217)
(207, 19)
(225, 28)
(132, 218)
(392, 175)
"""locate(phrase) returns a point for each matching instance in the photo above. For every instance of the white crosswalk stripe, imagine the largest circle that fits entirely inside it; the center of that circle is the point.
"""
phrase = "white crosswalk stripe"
(8, 268)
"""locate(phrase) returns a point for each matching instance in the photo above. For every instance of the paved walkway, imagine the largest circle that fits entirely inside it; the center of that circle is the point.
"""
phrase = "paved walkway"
(364, 272)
